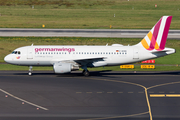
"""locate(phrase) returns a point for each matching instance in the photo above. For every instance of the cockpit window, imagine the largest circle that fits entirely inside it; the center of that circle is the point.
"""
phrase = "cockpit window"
(16, 52)
(13, 52)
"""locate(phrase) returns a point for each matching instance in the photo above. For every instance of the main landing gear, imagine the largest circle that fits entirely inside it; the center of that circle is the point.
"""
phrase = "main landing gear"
(85, 73)
(30, 70)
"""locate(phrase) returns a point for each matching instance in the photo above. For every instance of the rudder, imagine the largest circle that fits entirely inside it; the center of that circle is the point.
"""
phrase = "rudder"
(157, 36)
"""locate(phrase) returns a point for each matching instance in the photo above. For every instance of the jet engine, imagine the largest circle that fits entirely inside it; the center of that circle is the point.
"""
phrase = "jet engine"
(64, 67)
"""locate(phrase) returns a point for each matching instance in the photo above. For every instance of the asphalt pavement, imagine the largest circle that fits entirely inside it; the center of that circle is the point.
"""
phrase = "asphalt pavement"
(110, 33)
(103, 95)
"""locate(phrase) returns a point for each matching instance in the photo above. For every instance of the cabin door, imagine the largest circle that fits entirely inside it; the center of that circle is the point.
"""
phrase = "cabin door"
(30, 53)
(136, 53)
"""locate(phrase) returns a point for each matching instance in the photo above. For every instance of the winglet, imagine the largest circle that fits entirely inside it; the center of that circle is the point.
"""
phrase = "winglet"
(157, 36)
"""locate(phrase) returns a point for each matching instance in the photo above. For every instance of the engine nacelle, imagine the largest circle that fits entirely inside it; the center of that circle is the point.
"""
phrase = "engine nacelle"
(62, 67)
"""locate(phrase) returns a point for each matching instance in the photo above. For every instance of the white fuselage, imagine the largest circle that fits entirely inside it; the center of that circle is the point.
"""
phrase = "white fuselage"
(110, 55)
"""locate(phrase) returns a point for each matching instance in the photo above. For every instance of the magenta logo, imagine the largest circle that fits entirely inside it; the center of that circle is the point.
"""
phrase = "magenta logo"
(54, 49)
(18, 57)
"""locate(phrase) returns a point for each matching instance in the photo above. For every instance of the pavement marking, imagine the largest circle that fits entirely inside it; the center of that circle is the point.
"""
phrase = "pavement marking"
(164, 95)
(157, 95)
(123, 116)
(172, 92)
(78, 92)
(163, 84)
(150, 92)
(172, 95)
(161, 92)
(136, 84)
(23, 100)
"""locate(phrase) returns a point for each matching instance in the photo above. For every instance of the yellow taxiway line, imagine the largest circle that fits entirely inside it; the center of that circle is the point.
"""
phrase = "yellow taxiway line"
(164, 95)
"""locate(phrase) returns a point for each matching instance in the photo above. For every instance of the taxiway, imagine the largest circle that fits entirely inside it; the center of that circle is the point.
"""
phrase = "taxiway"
(103, 95)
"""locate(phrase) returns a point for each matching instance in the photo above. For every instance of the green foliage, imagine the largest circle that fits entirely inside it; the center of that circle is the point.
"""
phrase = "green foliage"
(89, 14)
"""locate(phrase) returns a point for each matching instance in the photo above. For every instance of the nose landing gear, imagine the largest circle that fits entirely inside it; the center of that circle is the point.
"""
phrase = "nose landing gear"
(30, 70)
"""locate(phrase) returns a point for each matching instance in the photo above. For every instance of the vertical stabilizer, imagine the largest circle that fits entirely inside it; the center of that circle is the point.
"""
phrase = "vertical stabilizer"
(156, 38)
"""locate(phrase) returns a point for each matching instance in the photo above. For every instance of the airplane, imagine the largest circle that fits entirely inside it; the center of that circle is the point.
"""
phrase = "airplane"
(65, 59)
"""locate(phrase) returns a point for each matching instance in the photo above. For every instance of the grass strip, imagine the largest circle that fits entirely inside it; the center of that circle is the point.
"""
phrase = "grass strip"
(90, 14)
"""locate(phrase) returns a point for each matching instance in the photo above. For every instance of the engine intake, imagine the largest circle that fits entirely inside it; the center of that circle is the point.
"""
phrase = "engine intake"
(64, 67)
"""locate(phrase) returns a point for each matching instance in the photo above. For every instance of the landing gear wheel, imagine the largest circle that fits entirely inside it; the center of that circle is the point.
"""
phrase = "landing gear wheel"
(29, 73)
(30, 70)
(86, 73)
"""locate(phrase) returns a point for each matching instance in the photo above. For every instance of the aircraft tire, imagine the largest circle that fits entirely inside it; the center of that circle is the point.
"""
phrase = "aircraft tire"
(29, 73)
(86, 73)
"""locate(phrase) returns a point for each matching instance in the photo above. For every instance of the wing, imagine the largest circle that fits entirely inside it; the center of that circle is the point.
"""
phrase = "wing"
(85, 61)
(81, 61)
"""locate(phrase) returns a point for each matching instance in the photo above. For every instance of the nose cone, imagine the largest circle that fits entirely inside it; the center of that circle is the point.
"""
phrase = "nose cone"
(7, 59)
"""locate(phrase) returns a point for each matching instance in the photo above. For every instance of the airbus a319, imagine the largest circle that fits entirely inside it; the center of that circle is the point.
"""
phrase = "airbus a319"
(65, 59)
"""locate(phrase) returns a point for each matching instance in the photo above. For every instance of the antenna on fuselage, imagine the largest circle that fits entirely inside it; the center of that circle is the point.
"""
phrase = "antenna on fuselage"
(32, 44)
(107, 44)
